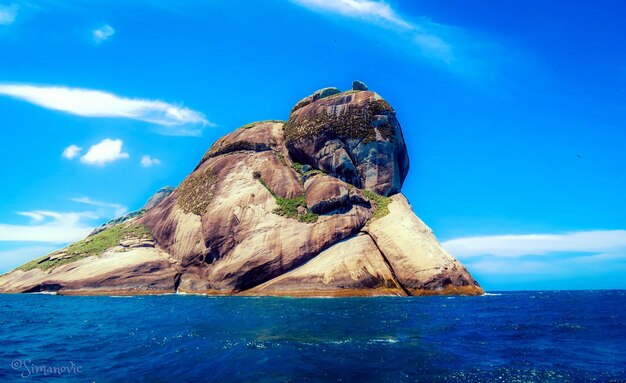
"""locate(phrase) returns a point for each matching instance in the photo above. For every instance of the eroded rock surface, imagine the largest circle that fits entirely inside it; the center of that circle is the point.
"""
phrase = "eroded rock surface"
(351, 267)
(311, 207)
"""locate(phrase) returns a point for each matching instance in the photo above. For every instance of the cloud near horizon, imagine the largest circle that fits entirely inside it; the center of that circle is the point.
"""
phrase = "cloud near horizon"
(595, 241)
(52, 229)
(60, 227)
(11, 259)
(545, 257)
(174, 119)
(48, 226)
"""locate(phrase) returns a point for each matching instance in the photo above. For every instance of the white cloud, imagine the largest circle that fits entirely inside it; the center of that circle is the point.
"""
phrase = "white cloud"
(71, 151)
(367, 9)
(51, 227)
(584, 259)
(147, 161)
(59, 227)
(8, 13)
(34, 216)
(103, 33)
(51, 233)
(423, 34)
(106, 151)
(118, 209)
(597, 241)
(175, 119)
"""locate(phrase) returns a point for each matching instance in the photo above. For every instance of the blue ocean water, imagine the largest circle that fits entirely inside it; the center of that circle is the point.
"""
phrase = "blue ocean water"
(567, 336)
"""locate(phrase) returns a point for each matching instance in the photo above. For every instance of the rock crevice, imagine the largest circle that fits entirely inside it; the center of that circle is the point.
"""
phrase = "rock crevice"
(382, 254)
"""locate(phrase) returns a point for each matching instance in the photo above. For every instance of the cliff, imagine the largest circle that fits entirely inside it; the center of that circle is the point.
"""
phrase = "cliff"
(308, 207)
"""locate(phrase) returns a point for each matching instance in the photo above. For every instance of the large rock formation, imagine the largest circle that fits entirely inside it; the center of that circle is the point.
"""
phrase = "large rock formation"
(310, 207)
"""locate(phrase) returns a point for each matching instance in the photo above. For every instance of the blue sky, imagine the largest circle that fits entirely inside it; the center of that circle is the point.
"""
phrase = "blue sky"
(514, 114)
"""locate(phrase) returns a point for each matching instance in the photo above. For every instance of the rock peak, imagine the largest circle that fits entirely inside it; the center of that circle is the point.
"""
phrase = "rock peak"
(358, 85)
(354, 136)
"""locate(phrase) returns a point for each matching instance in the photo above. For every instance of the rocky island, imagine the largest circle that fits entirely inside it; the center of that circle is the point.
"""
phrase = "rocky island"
(307, 207)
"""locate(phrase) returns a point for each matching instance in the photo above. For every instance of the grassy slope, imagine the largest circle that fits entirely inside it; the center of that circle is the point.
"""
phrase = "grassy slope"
(93, 245)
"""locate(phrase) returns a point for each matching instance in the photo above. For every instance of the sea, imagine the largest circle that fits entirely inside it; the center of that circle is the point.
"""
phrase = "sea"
(530, 336)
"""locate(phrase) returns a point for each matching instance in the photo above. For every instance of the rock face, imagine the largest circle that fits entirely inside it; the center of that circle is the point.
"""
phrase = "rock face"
(311, 207)
(354, 136)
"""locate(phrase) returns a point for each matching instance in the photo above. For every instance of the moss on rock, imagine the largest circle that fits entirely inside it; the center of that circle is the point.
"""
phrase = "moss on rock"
(94, 245)
(253, 124)
(289, 207)
(354, 122)
(235, 147)
(197, 192)
(380, 203)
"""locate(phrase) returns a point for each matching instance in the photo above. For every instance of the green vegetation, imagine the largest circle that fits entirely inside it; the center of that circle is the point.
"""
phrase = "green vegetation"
(90, 246)
(312, 172)
(197, 192)
(281, 157)
(297, 167)
(381, 204)
(288, 207)
(253, 124)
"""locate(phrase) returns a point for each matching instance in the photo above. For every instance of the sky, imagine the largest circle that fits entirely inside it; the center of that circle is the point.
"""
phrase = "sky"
(514, 115)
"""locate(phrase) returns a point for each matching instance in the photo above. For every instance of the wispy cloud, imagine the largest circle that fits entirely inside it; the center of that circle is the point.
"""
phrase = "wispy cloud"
(71, 151)
(424, 34)
(545, 259)
(175, 119)
(33, 215)
(48, 226)
(118, 209)
(104, 152)
(55, 227)
(598, 241)
(147, 161)
(103, 33)
(366, 9)
(8, 13)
